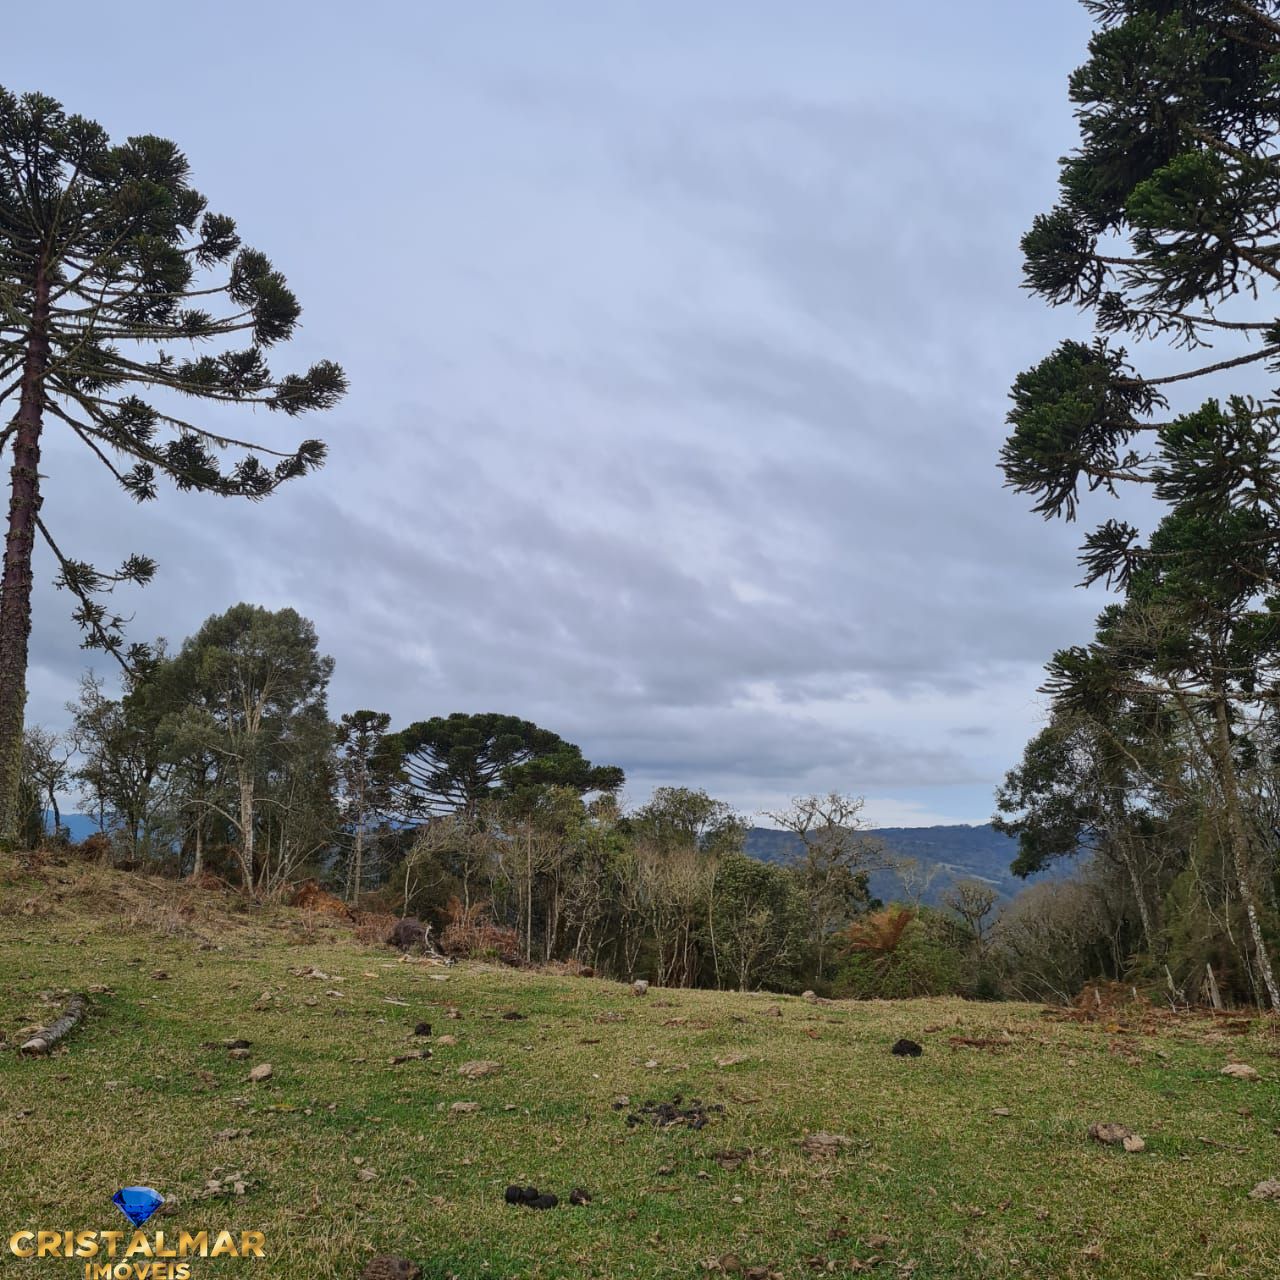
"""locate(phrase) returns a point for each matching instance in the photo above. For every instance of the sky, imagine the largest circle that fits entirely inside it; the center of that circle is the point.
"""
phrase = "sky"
(679, 339)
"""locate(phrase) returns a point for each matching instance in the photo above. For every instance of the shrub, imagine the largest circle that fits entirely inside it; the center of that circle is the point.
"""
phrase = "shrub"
(898, 953)
(472, 933)
(373, 928)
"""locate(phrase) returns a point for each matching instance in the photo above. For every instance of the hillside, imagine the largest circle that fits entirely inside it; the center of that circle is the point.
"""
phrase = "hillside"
(951, 853)
(798, 1143)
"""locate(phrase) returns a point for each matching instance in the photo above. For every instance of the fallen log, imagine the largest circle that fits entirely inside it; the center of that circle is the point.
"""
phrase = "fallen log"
(70, 1018)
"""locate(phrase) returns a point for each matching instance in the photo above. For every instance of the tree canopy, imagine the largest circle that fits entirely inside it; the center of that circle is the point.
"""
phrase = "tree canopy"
(458, 761)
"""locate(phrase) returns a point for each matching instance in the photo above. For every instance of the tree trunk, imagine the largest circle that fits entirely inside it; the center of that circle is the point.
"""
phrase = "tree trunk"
(357, 873)
(1237, 838)
(15, 586)
(1144, 912)
(45, 1040)
(528, 919)
(246, 830)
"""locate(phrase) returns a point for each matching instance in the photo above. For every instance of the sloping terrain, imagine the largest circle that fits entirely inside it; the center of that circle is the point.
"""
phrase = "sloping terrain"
(971, 1160)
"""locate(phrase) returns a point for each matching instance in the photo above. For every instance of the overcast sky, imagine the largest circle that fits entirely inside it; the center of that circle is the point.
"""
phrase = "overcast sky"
(679, 337)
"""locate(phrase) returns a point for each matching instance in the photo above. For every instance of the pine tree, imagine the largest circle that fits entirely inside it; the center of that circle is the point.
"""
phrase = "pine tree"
(106, 261)
(1167, 230)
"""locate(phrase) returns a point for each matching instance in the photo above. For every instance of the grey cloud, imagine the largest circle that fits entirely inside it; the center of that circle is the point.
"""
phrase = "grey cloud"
(678, 376)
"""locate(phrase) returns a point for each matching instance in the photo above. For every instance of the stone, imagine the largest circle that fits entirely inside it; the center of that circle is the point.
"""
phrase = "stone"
(479, 1068)
(824, 1144)
(1240, 1071)
(1114, 1135)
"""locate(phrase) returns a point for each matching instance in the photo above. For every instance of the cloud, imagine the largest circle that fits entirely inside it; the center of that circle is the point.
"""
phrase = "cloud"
(676, 396)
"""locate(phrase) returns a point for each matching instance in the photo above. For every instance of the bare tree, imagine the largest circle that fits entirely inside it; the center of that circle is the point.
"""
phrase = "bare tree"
(836, 860)
(972, 901)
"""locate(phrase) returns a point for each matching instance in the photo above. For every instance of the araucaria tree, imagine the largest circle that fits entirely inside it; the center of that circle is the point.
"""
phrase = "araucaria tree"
(108, 308)
(1167, 229)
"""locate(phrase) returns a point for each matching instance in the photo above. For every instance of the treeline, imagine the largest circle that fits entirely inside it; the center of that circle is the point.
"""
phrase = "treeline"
(221, 760)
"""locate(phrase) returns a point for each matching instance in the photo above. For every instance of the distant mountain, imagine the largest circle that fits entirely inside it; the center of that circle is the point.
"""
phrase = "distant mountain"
(951, 853)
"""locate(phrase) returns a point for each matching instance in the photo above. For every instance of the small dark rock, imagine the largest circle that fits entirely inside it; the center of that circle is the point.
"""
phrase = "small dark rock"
(547, 1201)
(512, 1016)
(907, 1049)
(514, 1195)
(422, 1029)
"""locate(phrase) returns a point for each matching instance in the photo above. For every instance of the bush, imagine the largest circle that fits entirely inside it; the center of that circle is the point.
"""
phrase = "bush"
(471, 933)
(897, 953)
(373, 928)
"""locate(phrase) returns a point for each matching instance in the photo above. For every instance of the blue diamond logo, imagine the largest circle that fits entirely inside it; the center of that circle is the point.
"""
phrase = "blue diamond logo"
(137, 1203)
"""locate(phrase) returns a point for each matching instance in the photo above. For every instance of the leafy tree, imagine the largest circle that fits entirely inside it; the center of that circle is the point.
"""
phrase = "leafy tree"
(457, 762)
(896, 953)
(1104, 781)
(682, 817)
(677, 841)
(1191, 637)
(298, 798)
(757, 922)
(1053, 938)
(675, 891)
(103, 253)
(252, 685)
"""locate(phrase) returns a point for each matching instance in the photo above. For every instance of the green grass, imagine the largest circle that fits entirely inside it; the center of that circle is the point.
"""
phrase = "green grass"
(933, 1183)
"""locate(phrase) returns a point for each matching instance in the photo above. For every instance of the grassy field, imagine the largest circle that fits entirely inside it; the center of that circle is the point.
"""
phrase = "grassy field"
(968, 1161)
